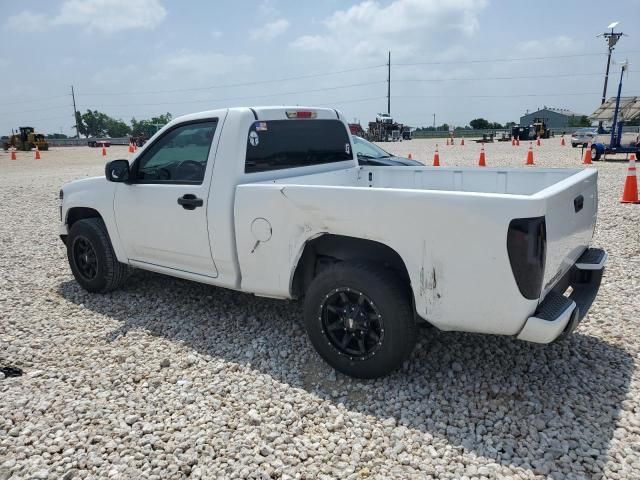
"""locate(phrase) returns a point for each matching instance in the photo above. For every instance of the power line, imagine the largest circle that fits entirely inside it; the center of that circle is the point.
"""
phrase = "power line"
(502, 60)
(34, 100)
(205, 100)
(515, 77)
(506, 96)
(231, 85)
(36, 110)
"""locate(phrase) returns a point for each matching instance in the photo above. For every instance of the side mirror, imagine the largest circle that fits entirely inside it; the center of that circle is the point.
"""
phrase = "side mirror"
(117, 171)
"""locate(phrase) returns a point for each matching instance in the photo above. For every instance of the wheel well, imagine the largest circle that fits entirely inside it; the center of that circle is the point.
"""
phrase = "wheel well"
(78, 213)
(328, 249)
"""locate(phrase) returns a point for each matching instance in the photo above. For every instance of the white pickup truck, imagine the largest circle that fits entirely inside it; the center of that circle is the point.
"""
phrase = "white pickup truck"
(272, 201)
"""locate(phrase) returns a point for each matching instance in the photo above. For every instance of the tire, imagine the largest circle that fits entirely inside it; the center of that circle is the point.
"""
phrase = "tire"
(386, 308)
(92, 259)
(595, 154)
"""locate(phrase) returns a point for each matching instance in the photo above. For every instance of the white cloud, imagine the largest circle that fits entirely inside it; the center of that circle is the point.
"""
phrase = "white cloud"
(559, 44)
(103, 15)
(26, 21)
(369, 28)
(216, 33)
(198, 66)
(270, 30)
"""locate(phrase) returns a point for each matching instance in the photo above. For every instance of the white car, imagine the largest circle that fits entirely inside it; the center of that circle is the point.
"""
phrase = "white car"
(583, 137)
(272, 201)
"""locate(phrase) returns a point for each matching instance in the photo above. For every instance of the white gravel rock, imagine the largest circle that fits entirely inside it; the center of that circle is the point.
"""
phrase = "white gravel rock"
(171, 379)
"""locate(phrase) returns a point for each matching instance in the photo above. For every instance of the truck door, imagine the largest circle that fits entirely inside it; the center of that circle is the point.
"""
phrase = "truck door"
(162, 215)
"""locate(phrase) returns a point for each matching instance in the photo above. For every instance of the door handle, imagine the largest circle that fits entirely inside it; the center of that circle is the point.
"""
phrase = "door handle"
(190, 201)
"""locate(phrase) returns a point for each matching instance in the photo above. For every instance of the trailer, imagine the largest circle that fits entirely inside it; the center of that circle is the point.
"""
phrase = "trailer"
(384, 129)
(618, 111)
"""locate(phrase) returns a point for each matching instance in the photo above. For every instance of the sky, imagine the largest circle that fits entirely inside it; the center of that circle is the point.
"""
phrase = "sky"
(457, 59)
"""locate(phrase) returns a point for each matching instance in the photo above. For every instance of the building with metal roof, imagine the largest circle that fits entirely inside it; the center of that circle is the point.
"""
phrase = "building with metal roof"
(553, 117)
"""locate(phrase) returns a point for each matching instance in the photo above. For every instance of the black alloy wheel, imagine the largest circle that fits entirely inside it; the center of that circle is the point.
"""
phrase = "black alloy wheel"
(85, 258)
(352, 323)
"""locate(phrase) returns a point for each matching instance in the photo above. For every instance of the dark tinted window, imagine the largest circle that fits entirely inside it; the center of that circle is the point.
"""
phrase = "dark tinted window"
(277, 144)
(180, 156)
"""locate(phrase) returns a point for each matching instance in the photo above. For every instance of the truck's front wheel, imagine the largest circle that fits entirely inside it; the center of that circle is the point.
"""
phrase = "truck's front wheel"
(360, 319)
(92, 259)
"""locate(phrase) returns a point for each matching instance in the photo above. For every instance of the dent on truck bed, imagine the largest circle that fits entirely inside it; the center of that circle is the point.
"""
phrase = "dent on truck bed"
(429, 275)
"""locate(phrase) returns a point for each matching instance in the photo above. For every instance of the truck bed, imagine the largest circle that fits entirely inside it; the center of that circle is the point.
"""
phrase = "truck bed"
(449, 224)
(471, 180)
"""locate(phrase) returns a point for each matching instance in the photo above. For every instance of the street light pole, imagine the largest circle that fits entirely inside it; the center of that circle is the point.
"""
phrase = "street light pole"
(611, 38)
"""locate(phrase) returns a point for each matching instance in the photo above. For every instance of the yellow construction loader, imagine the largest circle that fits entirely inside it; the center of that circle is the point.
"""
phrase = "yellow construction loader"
(26, 140)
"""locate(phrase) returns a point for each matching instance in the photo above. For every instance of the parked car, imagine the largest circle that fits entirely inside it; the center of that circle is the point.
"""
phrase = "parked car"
(583, 136)
(98, 143)
(272, 201)
(370, 154)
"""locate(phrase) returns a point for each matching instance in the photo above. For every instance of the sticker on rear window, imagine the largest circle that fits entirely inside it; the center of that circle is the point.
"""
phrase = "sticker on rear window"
(261, 126)
(347, 148)
(254, 140)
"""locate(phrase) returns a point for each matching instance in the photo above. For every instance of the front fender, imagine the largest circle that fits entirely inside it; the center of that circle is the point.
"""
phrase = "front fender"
(97, 194)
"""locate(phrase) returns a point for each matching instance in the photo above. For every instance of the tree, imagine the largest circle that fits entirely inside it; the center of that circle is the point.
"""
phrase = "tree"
(82, 128)
(579, 121)
(479, 124)
(148, 127)
(510, 124)
(95, 123)
(117, 128)
(56, 135)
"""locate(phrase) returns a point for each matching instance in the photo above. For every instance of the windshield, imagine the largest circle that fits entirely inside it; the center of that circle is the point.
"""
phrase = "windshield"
(367, 149)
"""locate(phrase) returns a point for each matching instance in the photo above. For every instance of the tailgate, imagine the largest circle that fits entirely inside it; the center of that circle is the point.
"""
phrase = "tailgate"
(570, 214)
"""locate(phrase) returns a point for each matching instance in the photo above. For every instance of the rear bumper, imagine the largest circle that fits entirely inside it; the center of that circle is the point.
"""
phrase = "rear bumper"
(559, 315)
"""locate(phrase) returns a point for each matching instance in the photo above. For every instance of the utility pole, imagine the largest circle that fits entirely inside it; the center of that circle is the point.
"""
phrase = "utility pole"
(75, 117)
(611, 38)
(389, 85)
(434, 121)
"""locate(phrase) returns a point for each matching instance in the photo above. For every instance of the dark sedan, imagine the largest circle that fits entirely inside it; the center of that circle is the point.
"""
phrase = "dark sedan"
(371, 154)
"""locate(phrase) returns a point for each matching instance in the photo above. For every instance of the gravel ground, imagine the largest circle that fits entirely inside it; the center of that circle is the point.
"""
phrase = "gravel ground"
(171, 379)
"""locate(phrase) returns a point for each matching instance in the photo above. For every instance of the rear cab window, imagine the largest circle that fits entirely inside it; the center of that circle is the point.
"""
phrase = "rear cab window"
(280, 144)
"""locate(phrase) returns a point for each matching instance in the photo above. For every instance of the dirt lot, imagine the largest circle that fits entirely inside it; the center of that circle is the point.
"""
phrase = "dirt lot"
(170, 379)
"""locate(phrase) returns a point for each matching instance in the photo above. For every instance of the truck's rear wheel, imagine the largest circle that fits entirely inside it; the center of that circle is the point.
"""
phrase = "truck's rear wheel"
(92, 259)
(595, 154)
(359, 318)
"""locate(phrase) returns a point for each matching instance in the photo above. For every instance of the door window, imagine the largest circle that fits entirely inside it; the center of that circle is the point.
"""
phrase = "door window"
(180, 156)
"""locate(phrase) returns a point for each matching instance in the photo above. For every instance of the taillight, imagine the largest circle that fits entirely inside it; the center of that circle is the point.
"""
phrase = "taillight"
(301, 114)
(527, 249)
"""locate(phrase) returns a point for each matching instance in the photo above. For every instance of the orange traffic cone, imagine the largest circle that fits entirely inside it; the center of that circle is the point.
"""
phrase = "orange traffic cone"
(130, 147)
(13, 154)
(447, 141)
(630, 192)
(513, 141)
(587, 155)
(562, 144)
(482, 162)
(135, 147)
(410, 157)
(104, 151)
(538, 141)
(530, 156)
(436, 157)
(517, 141)
(462, 141)
(37, 153)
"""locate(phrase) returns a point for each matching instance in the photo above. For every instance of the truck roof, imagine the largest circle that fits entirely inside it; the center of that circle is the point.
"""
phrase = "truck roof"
(263, 113)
